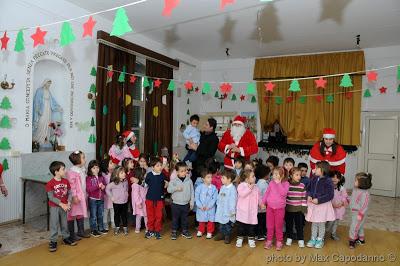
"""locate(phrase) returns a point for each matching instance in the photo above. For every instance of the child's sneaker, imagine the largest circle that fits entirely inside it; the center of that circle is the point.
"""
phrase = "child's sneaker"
(335, 237)
(199, 234)
(157, 235)
(149, 234)
(279, 245)
(95, 233)
(352, 244)
(319, 243)
(289, 242)
(187, 234)
(301, 243)
(209, 236)
(227, 240)
(116, 230)
(360, 242)
(239, 242)
(311, 243)
(252, 243)
(260, 238)
(69, 242)
(268, 244)
(103, 232)
(137, 231)
(174, 235)
(125, 231)
(52, 246)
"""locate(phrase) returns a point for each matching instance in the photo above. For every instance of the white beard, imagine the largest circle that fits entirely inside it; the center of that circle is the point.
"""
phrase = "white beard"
(237, 133)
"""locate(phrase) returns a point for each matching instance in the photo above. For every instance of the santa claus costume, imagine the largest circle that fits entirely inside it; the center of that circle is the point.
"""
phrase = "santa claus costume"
(237, 141)
(130, 139)
(119, 150)
(334, 154)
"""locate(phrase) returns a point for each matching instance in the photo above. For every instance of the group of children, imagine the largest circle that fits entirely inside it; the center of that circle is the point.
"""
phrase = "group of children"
(261, 201)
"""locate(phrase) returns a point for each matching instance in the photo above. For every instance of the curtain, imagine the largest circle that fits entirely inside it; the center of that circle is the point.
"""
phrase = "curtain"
(110, 101)
(158, 129)
(301, 121)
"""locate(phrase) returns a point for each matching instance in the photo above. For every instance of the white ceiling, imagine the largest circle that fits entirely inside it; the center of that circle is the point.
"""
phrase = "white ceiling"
(200, 29)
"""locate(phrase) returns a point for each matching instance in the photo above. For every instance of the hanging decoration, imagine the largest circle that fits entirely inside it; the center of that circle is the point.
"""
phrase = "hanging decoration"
(5, 144)
(105, 110)
(157, 83)
(155, 111)
(38, 37)
(169, 5)
(251, 88)
(233, 97)
(382, 90)
(302, 99)
(319, 98)
(88, 27)
(92, 123)
(132, 79)
(278, 100)
(294, 86)
(171, 85)
(330, 98)
(110, 73)
(121, 23)
(5, 85)
(19, 42)
(206, 88)
(253, 99)
(4, 41)
(320, 83)
(188, 85)
(146, 82)
(5, 122)
(128, 99)
(5, 164)
(346, 81)
(367, 93)
(242, 98)
(5, 103)
(269, 86)
(225, 2)
(372, 76)
(216, 95)
(121, 77)
(67, 34)
(348, 95)
(92, 139)
(225, 88)
(93, 72)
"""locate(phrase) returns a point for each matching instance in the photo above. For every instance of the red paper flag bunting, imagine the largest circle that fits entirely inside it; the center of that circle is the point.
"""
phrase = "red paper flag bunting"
(269, 86)
(4, 41)
(38, 37)
(383, 90)
(157, 83)
(110, 74)
(132, 79)
(196, 89)
(289, 99)
(225, 2)
(225, 95)
(372, 76)
(319, 98)
(266, 99)
(349, 95)
(242, 97)
(188, 85)
(226, 87)
(320, 83)
(169, 5)
(88, 27)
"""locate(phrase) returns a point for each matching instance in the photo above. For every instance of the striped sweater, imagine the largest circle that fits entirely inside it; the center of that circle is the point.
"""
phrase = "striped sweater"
(296, 200)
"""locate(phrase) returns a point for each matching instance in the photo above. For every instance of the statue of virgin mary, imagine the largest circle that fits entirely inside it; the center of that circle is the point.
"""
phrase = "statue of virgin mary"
(45, 111)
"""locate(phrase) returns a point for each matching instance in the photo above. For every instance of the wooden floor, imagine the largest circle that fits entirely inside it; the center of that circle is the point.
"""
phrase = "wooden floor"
(134, 249)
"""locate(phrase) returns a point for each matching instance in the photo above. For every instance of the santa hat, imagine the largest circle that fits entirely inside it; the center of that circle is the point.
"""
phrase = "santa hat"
(329, 133)
(239, 120)
(128, 134)
(114, 160)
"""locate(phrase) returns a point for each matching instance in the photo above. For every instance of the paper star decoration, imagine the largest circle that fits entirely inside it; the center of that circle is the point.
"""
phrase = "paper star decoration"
(319, 98)
(225, 2)
(266, 99)
(157, 83)
(349, 95)
(88, 27)
(289, 99)
(320, 83)
(132, 79)
(169, 5)
(372, 76)
(383, 90)
(38, 37)
(242, 97)
(4, 41)
(188, 85)
(269, 86)
(225, 95)
(196, 89)
(226, 88)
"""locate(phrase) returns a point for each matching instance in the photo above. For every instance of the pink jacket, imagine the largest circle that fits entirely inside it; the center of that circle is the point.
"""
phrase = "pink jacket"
(107, 201)
(138, 197)
(216, 181)
(275, 196)
(340, 196)
(247, 203)
(75, 181)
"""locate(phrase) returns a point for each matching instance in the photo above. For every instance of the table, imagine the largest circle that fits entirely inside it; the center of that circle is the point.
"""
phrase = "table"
(41, 179)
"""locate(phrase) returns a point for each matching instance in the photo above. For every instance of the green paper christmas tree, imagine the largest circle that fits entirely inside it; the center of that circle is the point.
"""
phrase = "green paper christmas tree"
(216, 95)
(93, 105)
(171, 86)
(206, 88)
(5, 144)
(294, 86)
(187, 122)
(188, 112)
(330, 98)
(93, 72)
(303, 99)
(233, 97)
(121, 77)
(92, 138)
(5, 165)
(5, 122)
(278, 100)
(5, 103)
(92, 124)
(188, 101)
(67, 34)
(19, 42)
(146, 82)
(251, 88)
(253, 99)
(93, 89)
(105, 110)
(367, 93)
(121, 23)
(346, 81)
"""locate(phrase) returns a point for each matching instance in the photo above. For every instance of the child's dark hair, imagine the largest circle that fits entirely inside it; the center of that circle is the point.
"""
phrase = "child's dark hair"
(213, 166)
(244, 175)
(230, 174)
(205, 172)
(125, 163)
(154, 160)
(143, 156)
(115, 174)
(75, 157)
(339, 176)
(256, 162)
(324, 166)
(92, 164)
(55, 167)
(262, 171)
(240, 159)
(302, 165)
(364, 180)
(248, 163)
(273, 160)
(288, 160)
(104, 165)
(139, 174)
(194, 117)
(179, 165)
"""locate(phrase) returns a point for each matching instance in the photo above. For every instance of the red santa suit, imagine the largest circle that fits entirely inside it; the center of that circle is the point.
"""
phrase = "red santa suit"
(247, 144)
(132, 148)
(337, 161)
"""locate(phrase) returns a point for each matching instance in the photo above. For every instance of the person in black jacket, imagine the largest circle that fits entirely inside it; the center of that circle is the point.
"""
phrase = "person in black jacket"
(207, 147)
